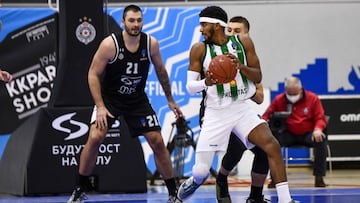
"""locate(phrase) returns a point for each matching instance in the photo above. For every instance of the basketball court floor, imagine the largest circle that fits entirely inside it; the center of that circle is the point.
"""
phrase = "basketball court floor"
(344, 187)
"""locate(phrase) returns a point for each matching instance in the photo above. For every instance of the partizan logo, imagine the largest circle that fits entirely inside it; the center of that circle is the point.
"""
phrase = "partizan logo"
(82, 127)
(85, 31)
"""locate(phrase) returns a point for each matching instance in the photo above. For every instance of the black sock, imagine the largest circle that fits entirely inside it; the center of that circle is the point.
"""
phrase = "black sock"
(221, 180)
(83, 182)
(171, 186)
(221, 177)
(256, 193)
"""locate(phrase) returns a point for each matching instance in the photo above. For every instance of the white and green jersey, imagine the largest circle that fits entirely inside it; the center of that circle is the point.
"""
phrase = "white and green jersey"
(222, 95)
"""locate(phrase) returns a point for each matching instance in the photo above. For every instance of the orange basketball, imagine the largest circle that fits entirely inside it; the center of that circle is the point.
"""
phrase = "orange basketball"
(222, 68)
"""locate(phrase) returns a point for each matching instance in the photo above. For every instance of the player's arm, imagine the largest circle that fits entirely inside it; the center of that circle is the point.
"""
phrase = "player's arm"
(163, 76)
(105, 53)
(252, 71)
(194, 83)
(259, 94)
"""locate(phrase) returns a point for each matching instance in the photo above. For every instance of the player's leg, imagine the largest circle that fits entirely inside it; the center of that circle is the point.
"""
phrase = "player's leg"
(200, 171)
(141, 125)
(87, 163)
(285, 139)
(259, 173)
(232, 156)
(91, 149)
(162, 161)
(161, 154)
(263, 138)
(214, 137)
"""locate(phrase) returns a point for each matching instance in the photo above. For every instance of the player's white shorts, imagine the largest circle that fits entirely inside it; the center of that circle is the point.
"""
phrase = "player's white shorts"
(217, 125)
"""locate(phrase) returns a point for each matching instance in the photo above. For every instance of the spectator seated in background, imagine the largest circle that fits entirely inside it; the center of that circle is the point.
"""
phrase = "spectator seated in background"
(304, 125)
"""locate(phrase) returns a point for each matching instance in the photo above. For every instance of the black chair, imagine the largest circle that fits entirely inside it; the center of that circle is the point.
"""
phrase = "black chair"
(277, 124)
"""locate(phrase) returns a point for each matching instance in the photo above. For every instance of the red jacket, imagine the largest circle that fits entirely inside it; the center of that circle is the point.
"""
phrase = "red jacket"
(307, 113)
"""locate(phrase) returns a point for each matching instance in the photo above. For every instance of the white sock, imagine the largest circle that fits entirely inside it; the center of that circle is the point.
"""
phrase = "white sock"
(283, 192)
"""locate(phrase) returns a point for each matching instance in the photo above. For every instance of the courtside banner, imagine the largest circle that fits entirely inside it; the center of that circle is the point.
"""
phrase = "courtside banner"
(344, 126)
(344, 115)
(28, 51)
(50, 143)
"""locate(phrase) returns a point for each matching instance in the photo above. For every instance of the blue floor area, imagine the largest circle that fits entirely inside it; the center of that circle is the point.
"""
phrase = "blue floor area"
(345, 195)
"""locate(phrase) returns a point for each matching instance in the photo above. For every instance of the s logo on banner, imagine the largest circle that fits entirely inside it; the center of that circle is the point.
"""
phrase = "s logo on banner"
(83, 128)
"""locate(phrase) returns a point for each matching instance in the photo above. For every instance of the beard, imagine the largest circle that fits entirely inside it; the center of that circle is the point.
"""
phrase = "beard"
(209, 38)
(132, 32)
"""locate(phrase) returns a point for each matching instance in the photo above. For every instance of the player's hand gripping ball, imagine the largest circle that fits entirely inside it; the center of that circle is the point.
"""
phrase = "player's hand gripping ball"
(223, 69)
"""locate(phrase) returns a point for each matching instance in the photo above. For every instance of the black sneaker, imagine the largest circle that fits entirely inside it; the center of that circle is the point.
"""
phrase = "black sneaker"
(319, 181)
(262, 200)
(222, 192)
(77, 196)
(173, 199)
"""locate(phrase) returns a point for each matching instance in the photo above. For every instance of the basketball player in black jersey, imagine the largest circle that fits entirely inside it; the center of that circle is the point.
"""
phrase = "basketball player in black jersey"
(123, 60)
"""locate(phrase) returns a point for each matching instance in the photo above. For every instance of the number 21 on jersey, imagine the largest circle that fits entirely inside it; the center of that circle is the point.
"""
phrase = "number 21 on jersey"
(132, 68)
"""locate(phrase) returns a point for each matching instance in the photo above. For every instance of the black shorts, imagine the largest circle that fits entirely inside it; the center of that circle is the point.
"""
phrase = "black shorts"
(140, 118)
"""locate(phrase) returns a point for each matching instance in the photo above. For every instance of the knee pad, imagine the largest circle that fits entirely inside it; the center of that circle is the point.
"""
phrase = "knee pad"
(260, 163)
(234, 152)
(200, 173)
(230, 160)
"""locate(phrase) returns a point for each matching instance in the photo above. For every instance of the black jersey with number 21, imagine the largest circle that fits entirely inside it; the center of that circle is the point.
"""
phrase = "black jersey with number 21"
(125, 76)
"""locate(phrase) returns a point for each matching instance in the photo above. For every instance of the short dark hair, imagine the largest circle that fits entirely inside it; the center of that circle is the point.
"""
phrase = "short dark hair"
(131, 7)
(240, 19)
(214, 12)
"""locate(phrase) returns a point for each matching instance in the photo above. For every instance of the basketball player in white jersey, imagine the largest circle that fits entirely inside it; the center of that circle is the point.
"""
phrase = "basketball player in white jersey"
(226, 110)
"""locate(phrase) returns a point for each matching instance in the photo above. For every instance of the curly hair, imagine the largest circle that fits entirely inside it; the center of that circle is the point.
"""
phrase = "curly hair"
(214, 12)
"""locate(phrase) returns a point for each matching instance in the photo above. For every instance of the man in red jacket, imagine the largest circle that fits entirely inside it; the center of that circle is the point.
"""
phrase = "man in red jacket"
(305, 125)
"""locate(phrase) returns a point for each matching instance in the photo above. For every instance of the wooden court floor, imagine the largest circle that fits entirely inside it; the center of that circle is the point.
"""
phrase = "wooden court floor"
(343, 187)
